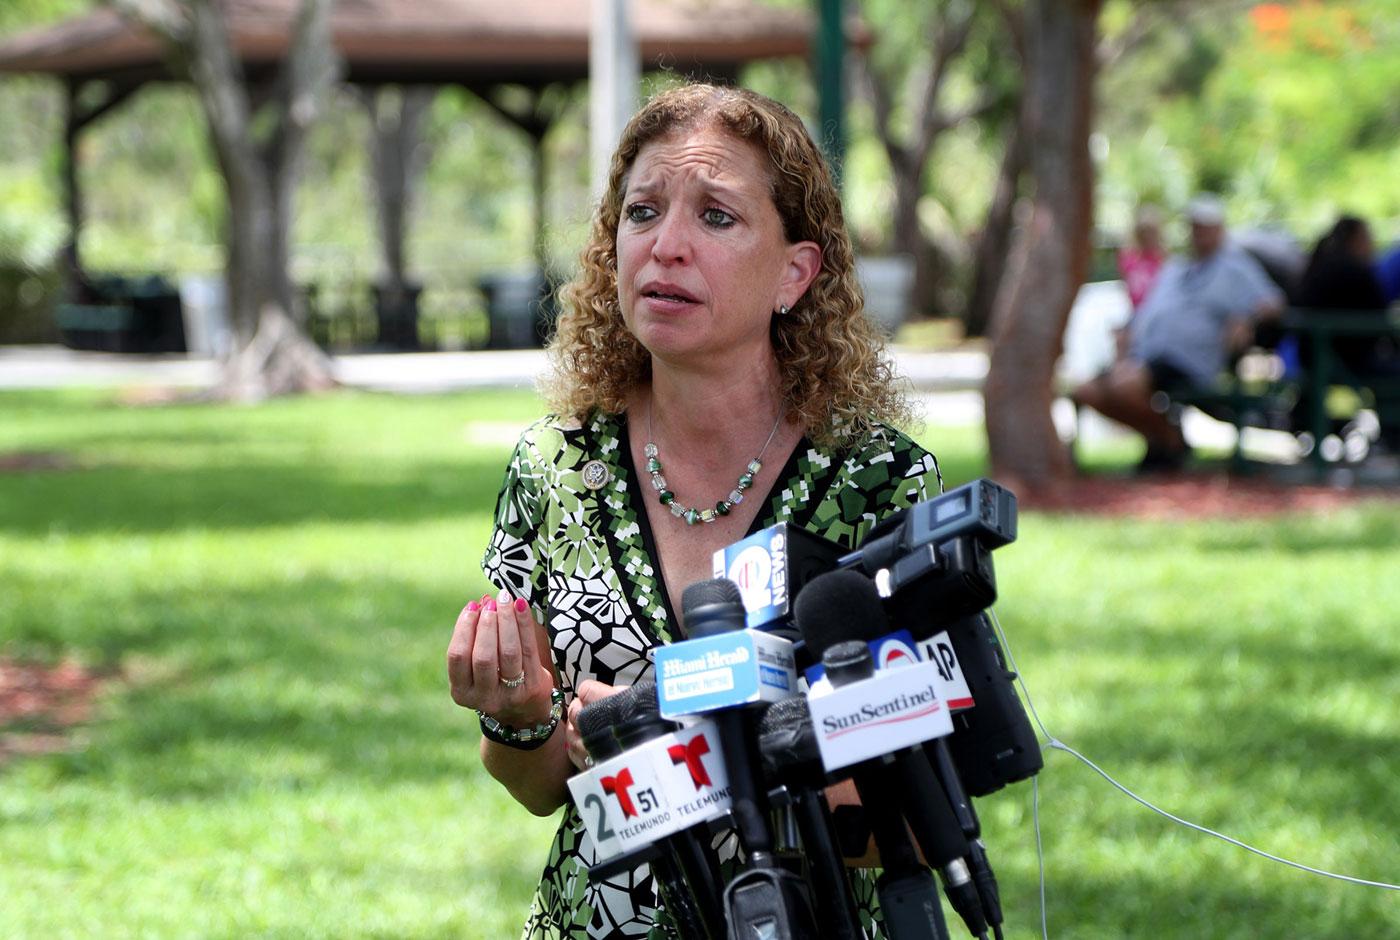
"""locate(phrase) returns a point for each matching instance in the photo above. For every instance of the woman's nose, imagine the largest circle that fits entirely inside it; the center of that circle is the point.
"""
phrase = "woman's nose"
(671, 243)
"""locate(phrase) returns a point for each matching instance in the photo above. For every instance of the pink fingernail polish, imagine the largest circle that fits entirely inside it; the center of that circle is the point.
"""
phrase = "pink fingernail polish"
(520, 605)
(473, 606)
(490, 604)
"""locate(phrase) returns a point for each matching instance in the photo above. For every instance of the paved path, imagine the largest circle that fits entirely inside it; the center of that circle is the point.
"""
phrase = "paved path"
(58, 367)
(946, 384)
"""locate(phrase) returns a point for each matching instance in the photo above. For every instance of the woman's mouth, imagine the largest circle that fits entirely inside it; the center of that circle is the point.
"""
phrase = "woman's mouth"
(667, 293)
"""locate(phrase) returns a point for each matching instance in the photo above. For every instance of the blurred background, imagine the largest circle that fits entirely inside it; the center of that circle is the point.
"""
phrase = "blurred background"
(223, 706)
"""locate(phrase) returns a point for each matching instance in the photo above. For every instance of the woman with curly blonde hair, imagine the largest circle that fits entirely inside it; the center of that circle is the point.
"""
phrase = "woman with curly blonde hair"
(714, 374)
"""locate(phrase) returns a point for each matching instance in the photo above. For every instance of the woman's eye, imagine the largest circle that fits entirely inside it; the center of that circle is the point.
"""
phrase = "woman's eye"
(718, 218)
(640, 213)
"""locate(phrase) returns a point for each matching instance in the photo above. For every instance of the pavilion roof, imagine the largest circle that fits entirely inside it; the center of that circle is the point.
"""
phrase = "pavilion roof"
(438, 41)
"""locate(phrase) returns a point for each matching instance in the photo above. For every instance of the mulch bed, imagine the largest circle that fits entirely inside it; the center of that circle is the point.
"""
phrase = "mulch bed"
(41, 704)
(1195, 496)
(23, 461)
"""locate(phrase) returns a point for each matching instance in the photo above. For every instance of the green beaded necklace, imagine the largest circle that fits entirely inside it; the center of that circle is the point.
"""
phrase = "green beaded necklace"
(722, 508)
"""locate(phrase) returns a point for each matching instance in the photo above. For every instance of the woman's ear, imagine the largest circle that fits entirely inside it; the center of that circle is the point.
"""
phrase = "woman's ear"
(804, 263)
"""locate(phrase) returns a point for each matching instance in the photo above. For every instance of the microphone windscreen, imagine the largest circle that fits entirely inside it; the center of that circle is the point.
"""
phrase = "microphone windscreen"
(788, 744)
(784, 715)
(839, 605)
(597, 718)
(713, 591)
(637, 703)
(712, 607)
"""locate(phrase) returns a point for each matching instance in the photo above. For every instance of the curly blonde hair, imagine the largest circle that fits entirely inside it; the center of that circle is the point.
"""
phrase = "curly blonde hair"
(834, 375)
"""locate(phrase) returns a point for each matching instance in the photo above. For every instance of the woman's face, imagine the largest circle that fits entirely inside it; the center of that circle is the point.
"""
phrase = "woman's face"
(702, 262)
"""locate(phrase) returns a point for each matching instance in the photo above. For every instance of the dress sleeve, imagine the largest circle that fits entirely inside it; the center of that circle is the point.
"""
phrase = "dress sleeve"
(886, 473)
(516, 557)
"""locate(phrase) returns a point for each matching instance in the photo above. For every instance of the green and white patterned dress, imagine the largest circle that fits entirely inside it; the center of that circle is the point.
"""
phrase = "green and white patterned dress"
(586, 561)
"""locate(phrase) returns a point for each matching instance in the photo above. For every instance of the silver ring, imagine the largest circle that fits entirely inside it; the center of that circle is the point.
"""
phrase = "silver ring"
(588, 760)
(515, 683)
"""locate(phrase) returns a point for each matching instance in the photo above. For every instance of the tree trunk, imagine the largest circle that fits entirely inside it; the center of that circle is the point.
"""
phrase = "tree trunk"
(990, 258)
(1053, 251)
(272, 355)
(398, 155)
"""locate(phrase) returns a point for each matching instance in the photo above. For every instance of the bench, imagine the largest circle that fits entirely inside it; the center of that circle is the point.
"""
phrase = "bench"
(100, 327)
(123, 314)
(1298, 402)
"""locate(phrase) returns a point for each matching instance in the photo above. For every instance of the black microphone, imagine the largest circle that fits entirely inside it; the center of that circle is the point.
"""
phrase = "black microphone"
(982, 875)
(934, 561)
(908, 894)
(843, 607)
(791, 759)
(595, 726)
(710, 608)
(684, 868)
(766, 900)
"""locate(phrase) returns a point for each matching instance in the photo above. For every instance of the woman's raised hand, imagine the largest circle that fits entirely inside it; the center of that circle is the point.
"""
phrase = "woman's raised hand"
(495, 662)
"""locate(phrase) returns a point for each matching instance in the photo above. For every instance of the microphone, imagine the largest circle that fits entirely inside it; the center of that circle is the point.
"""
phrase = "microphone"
(766, 900)
(770, 567)
(993, 743)
(640, 722)
(907, 891)
(595, 724)
(841, 611)
(791, 760)
(935, 557)
(624, 733)
(982, 875)
(711, 608)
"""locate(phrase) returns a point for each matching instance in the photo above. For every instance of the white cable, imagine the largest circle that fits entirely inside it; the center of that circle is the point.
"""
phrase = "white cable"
(1039, 853)
(1060, 745)
(1057, 744)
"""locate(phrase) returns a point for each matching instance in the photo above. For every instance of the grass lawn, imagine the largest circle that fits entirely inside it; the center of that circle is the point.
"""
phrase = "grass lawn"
(277, 586)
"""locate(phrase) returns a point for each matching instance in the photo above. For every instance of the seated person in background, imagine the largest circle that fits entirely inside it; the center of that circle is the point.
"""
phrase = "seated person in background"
(1140, 262)
(1201, 309)
(1340, 276)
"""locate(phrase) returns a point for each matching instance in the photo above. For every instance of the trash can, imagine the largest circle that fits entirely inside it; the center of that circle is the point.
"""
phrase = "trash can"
(397, 315)
(204, 303)
(887, 282)
(519, 309)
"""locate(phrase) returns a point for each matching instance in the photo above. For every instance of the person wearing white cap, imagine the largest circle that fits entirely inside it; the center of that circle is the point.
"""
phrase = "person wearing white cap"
(1201, 308)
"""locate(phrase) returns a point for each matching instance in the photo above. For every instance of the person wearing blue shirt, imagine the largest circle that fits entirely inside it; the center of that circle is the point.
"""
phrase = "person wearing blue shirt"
(1202, 308)
(1388, 273)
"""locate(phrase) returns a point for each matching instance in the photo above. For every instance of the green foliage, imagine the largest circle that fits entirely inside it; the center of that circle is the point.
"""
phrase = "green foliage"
(1286, 108)
(280, 758)
(18, 15)
(962, 171)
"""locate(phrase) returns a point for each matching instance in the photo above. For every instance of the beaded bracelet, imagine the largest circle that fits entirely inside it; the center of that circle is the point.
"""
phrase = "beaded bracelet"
(524, 739)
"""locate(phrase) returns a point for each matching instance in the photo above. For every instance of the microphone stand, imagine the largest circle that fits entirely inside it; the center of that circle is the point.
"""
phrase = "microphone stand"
(835, 908)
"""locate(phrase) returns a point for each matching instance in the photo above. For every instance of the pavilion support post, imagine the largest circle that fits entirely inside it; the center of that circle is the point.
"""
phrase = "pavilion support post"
(72, 193)
(831, 76)
(85, 100)
(613, 73)
(535, 122)
(541, 181)
(399, 155)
